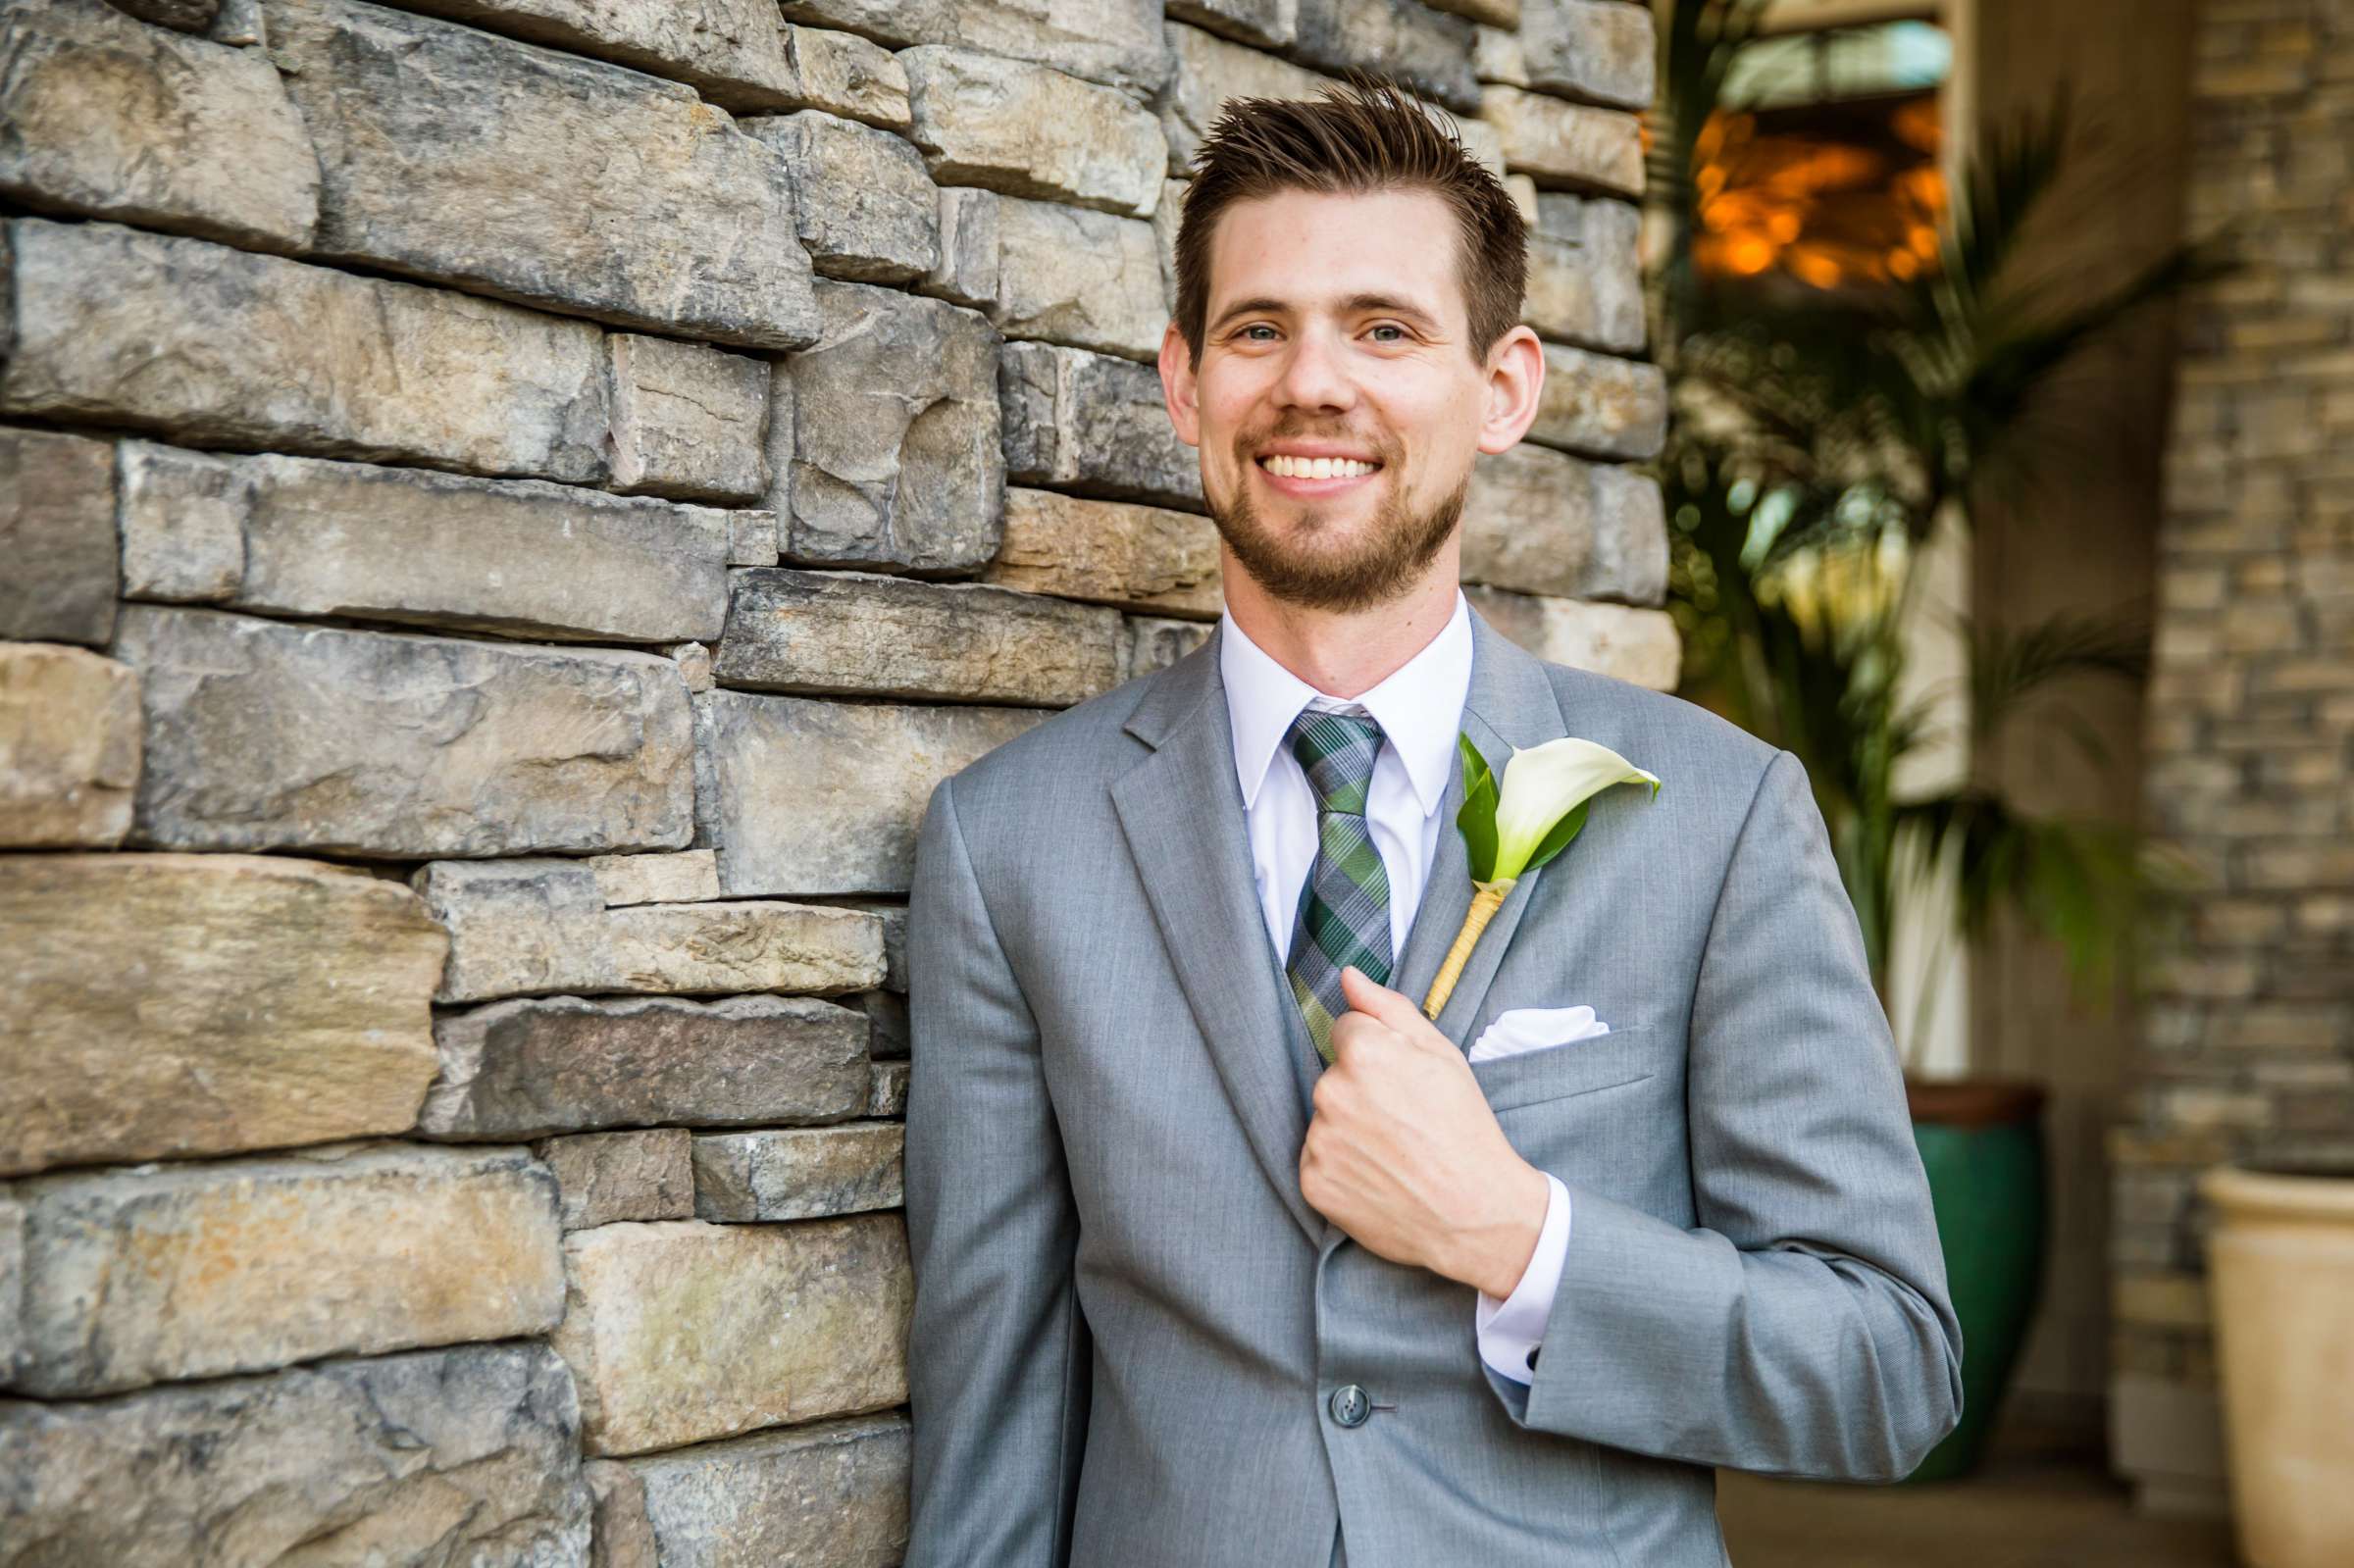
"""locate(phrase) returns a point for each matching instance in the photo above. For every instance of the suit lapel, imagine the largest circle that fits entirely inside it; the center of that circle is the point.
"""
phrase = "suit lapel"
(1181, 811)
(1510, 703)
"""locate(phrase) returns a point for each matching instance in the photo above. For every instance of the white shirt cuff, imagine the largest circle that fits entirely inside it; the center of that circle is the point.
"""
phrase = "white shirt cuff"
(1510, 1329)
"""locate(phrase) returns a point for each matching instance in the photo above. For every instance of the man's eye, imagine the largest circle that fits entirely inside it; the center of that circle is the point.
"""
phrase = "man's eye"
(1255, 327)
(1389, 326)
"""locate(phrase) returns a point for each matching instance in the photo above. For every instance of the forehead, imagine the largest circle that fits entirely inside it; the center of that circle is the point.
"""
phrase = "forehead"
(1312, 249)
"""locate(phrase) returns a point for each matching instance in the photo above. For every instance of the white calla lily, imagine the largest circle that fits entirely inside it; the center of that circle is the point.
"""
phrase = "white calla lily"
(1544, 783)
(1515, 825)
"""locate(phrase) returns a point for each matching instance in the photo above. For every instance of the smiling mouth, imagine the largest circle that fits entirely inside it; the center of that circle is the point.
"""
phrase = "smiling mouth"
(1315, 474)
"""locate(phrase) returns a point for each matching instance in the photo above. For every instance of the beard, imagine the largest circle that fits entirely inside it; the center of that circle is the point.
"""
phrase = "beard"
(1382, 563)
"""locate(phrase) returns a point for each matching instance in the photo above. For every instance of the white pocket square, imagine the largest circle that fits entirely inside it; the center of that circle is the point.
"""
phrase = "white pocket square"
(1528, 1028)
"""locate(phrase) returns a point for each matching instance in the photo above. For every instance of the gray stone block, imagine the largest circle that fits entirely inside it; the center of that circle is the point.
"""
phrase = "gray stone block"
(831, 1491)
(605, 1177)
(1091, 424)
(1208, 70)
(731, 51)
(1428, 50)
(808, 796)
(1585, 272)
(885, 436)
(848, 76)
(1598, 50)
(1116, 43)
(145, 1275)
(1055, 273)
(292, 535)
(798, 1173)
(56, 535)
(222, 347)
(1263, 23)
(869, 210)
(1152, 643)
(863, 635)
(263, 735)
(111, 119)
(1029, 130)
(566, 1064)
(1539, 521)
(465, 1455)
(450, 154)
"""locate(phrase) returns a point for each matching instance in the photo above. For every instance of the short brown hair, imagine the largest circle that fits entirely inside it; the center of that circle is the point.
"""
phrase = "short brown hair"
(1369, 135)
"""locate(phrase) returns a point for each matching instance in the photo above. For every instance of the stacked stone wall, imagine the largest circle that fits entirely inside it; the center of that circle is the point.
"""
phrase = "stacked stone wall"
(508, 507)
(2248, 1038)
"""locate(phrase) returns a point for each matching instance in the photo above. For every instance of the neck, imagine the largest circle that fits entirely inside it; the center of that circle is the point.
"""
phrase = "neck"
(1344, 653)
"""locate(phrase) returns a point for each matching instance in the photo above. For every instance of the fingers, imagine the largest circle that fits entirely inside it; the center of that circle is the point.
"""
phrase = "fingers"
(1389, 1007)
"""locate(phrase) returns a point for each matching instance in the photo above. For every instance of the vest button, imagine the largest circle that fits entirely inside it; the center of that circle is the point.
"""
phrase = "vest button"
(1350, 1406)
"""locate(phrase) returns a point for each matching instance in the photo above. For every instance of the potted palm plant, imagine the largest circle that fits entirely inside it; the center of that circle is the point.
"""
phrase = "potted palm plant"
(1812, 456)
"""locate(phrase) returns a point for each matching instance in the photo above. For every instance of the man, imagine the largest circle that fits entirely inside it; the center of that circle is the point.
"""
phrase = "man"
(1187, 1295)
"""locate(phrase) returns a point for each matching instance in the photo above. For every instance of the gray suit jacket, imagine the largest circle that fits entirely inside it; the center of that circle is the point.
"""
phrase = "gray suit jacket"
(1130, 1329)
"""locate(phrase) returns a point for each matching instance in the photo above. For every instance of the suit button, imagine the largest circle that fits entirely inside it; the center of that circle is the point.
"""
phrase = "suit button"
(1349, 1405)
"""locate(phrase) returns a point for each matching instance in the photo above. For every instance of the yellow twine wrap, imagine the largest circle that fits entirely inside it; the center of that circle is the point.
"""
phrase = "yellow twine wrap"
(1485, 901)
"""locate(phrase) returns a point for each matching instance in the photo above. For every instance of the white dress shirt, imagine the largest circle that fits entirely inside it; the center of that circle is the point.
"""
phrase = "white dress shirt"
(1420, 708)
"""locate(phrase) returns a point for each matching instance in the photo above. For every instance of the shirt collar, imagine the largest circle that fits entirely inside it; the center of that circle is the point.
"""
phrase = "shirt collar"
(1419, 706)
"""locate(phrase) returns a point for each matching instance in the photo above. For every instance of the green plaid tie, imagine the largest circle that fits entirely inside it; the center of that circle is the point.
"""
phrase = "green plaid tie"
(1344, 904)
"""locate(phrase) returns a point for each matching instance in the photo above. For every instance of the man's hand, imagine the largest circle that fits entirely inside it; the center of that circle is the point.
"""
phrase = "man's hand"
(1404, 1154)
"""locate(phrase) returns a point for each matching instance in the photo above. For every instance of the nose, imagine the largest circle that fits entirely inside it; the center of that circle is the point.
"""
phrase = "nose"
(1315, 374)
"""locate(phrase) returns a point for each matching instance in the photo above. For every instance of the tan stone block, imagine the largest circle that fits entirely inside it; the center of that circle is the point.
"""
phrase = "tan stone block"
(69, 747)
(167, 1006)
(536, 926)
(845, 75)
(1116, 43)
(1600, 406)
(1110, 552)
(1641, 646)
(866, 206)
(890, 1095)
(144, 1274)
(687, 877)
(1565, 145)
(789, 1323)
(1540, 521)
(1028, 131)
(689, 422)
(1597, 50)
(1211, 70)
(113, 119)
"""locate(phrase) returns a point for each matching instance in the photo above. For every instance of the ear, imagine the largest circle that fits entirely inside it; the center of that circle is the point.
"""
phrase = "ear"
(1515, 386)
(1177, 385)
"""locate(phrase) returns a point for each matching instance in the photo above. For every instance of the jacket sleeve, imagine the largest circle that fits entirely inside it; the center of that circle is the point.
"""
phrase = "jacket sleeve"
(998, 1353)
(1803, 1328)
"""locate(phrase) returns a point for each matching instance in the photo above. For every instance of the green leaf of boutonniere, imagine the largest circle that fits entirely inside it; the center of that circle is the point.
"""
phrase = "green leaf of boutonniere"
(1477, 818)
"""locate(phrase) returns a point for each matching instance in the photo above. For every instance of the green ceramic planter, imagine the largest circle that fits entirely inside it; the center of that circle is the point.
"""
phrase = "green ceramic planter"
(1981, 1143)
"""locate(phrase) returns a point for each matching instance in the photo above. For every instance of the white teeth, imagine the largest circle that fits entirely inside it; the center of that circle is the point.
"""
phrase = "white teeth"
(1316, 468)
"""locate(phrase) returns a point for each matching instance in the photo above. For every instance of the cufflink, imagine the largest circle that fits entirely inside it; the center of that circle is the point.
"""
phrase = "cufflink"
(1533, 1356)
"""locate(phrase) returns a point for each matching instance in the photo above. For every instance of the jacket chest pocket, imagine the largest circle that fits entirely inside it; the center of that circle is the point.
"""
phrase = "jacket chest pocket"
(1556, 1072)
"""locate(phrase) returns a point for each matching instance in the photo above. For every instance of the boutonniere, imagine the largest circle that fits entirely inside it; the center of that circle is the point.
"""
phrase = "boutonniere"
(1512, 831)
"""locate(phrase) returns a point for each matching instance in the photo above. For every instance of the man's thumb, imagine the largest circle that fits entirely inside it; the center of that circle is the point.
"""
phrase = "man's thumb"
(1365, 997)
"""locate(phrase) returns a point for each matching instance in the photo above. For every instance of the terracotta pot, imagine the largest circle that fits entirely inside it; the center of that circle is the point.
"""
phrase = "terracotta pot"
(2281, 1274)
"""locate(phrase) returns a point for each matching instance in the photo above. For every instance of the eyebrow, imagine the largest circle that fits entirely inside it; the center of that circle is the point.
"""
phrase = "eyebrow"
(1350, 305)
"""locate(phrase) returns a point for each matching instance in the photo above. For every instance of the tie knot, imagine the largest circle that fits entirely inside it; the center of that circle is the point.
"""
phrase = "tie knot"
(1336, 750)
